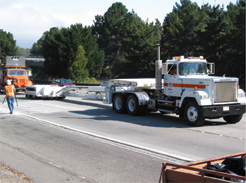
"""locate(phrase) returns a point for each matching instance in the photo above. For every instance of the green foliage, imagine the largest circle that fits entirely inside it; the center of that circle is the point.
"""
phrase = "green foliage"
(92, 81)
(78, 71)
(80, 35)
(22, 51)
(59, 48)
(181, 30)
(128, 42)
(7, 45)
(234, 53)
(37, 48)
(56, 53)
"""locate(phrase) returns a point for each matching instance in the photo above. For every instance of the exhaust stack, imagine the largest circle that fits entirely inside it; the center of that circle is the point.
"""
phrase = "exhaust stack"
(158, 71)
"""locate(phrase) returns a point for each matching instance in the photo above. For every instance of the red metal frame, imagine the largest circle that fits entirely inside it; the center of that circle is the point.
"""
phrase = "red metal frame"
(194, 172)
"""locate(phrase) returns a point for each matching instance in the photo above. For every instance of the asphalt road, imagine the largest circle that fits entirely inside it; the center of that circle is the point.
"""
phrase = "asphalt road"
(75, 140)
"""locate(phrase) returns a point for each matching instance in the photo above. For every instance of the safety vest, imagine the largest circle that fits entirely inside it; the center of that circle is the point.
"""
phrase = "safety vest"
(9, 91)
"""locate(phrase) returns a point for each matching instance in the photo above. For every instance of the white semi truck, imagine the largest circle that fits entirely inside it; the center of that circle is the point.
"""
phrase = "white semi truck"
(186, 90)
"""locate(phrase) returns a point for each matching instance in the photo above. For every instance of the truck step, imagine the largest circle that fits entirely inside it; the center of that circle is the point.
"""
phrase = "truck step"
(167, 101)
(165, 110)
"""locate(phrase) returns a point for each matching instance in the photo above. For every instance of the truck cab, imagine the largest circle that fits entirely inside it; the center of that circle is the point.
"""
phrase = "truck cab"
(197, 95)
(15, 71)
(182, 74)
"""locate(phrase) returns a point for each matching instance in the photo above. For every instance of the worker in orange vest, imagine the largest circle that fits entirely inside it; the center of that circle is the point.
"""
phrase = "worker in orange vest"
(10, 94)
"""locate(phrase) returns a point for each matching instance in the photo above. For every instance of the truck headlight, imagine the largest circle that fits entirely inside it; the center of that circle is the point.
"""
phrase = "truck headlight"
(202, 97)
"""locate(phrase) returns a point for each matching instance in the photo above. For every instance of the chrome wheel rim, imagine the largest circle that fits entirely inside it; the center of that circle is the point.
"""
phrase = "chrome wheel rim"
(131, 105)
(118, 103)
(192, 114)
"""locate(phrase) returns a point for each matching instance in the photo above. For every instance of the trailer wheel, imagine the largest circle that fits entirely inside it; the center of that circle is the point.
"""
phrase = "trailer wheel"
(119, 104)
(33, 96)
(233, 119)
(133, 107)
(193, 114)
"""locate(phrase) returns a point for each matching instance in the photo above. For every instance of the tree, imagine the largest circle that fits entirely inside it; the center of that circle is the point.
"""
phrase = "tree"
(235, 42)
(22, 51)
(109, 30)
(214, 37)
(80, 35)
(140, 48)
(7, 45)
(60, 48)
(181, 30)
(128, 42)
(78, 71)
(55, 52)
(37, 48)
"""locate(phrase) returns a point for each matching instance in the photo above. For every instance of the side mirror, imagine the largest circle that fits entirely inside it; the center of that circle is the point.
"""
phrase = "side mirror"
(164, 68)
(211, 68)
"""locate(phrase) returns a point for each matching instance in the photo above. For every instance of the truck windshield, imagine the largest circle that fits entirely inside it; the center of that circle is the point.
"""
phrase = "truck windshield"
(191, 68)
(16, 73)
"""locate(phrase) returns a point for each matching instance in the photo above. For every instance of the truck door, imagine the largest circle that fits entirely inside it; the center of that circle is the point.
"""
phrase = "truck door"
(172, 83)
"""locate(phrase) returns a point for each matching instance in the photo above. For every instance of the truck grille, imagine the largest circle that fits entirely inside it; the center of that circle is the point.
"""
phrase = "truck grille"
(225, 92)
(22, 82)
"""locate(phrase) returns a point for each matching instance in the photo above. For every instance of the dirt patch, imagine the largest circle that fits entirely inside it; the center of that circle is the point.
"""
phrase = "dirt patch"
(27, 179)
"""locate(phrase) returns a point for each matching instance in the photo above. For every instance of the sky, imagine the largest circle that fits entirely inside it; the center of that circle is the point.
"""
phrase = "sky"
(27, 20)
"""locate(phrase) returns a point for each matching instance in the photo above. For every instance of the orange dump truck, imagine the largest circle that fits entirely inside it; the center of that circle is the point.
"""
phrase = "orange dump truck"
(196, 171)
(14, 70)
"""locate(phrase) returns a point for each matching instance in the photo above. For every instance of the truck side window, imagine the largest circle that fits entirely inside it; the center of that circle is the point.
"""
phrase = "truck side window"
(172, 69)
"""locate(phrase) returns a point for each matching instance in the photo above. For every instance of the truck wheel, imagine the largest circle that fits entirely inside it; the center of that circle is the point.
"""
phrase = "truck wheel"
(119, 104)
(133, 107)
(233, 119)
(193, 114)
(33, 96)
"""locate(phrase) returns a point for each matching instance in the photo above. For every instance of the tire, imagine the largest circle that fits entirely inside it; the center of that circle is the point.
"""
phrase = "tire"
(193, 114)
(233, 119)
(33, 96)
(119, 104)
(133, 107)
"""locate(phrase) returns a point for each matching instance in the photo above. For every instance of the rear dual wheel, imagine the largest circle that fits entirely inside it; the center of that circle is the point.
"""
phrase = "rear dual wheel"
(131, 105)
(119, 104)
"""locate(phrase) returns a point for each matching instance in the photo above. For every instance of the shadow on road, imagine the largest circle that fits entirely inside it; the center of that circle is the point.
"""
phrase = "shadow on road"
(152, 119)
(105, 113)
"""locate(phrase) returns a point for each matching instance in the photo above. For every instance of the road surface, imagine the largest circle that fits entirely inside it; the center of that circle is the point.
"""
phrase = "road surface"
(75, 140)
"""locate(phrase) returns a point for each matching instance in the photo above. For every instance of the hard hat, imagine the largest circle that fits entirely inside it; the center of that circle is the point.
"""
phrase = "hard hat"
(8, 82)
